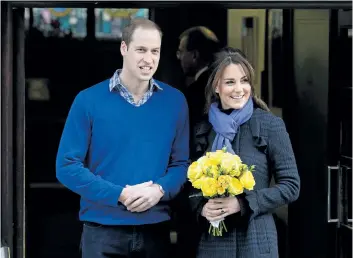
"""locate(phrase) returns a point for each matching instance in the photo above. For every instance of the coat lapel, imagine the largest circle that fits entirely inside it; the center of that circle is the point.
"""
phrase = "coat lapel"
(253, 126)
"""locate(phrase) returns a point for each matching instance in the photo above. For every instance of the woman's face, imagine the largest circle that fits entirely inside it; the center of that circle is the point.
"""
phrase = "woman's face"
(233, 88)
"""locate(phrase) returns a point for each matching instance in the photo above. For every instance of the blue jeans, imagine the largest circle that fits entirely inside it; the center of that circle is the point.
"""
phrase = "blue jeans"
(143, 241)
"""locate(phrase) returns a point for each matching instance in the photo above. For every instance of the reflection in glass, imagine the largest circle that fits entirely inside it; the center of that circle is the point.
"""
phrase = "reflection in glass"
(110, 22)
(58, 22)
(250, 40)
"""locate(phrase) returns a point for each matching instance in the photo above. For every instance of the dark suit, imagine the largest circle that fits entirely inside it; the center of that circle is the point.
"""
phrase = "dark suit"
(195, 97)
(185, 222)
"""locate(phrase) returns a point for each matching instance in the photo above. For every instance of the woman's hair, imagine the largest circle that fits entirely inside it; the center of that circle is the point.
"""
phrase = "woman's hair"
(224, 58)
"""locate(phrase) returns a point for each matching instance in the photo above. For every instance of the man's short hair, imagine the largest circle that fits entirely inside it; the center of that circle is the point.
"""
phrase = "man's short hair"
(135, 23)
(202, 39)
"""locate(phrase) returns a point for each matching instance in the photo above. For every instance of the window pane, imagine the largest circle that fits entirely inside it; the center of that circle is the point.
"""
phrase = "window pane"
(110, 22)
(275, 58)
(58, 22)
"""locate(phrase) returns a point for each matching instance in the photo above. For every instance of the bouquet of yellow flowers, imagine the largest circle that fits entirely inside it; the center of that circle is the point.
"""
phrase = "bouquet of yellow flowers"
(220, 174)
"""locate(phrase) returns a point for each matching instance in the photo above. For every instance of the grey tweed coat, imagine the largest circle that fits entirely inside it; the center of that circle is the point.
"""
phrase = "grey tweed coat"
(264, 142)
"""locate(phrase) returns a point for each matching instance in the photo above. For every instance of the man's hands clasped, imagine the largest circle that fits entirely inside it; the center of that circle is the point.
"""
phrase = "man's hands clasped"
(140, 197)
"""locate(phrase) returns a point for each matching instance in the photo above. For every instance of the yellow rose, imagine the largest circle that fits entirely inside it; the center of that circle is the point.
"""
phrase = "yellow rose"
(221, 190)
(214, 172)
(247, 180)
(234, 172)
(215, 158)
(227, 164)
(202, 160)
(198, 182)
(194, 171)
(235, 187)
(204, 163)
(223, 183)
(230, 162)
(224, 180)
(237, 162)
(209, 187)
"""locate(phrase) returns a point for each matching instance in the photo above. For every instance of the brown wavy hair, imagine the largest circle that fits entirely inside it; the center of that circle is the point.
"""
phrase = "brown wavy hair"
(224, 58)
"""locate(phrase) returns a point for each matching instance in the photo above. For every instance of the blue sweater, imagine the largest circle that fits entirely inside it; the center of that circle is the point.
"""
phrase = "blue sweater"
(108, 143)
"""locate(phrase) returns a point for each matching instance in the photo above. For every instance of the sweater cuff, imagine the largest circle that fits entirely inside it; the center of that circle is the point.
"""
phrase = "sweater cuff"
(118, 191)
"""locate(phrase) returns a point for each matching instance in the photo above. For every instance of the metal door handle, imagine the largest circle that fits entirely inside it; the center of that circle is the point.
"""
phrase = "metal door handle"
(329, 219)
(345, 170)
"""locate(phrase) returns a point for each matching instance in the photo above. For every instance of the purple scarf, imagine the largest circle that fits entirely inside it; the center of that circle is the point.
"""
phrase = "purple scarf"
(227, 126)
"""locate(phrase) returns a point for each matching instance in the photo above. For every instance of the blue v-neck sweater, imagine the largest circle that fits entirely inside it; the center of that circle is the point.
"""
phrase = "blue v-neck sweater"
(107, 143)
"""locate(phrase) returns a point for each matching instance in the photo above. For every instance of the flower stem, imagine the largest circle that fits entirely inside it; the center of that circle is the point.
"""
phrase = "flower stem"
(218, 231)
(224, 226)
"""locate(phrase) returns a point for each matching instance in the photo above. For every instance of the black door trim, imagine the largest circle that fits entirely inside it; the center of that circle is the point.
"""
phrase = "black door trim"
(225, 4)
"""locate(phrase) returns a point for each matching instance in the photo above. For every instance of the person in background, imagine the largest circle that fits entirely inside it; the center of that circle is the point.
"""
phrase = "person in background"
(243, 123)
(125, 149)
(197, 46)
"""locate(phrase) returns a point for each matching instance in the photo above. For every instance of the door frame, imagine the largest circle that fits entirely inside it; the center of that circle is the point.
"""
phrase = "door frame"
(155, 4)
(12, 132)
(6, 229)
(13, 224)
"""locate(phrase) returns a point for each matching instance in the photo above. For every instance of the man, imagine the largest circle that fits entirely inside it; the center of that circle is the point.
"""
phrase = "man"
(125, 150)
(197, 47)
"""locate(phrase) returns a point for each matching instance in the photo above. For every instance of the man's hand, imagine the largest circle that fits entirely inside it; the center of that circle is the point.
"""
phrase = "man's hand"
(129, 191)
(219, 208)
(143, 199)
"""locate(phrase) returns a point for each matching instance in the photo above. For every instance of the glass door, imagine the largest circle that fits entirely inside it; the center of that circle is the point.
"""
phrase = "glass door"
(345, 164)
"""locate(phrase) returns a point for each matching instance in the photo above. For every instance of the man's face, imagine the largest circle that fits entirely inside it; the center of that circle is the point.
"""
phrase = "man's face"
(141, 57)
(187, 60)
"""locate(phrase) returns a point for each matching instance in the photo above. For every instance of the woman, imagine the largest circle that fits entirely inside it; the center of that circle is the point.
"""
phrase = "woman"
(243, 123)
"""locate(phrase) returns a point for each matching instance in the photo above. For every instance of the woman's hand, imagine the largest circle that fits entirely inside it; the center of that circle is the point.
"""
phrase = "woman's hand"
(219, 208)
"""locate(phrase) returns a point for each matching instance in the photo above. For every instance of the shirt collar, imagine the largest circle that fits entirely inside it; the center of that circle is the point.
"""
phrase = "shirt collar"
(198, 74)
(115, 82)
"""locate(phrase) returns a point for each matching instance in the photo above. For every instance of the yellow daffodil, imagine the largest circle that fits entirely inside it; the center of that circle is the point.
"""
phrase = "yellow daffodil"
(247, 180)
